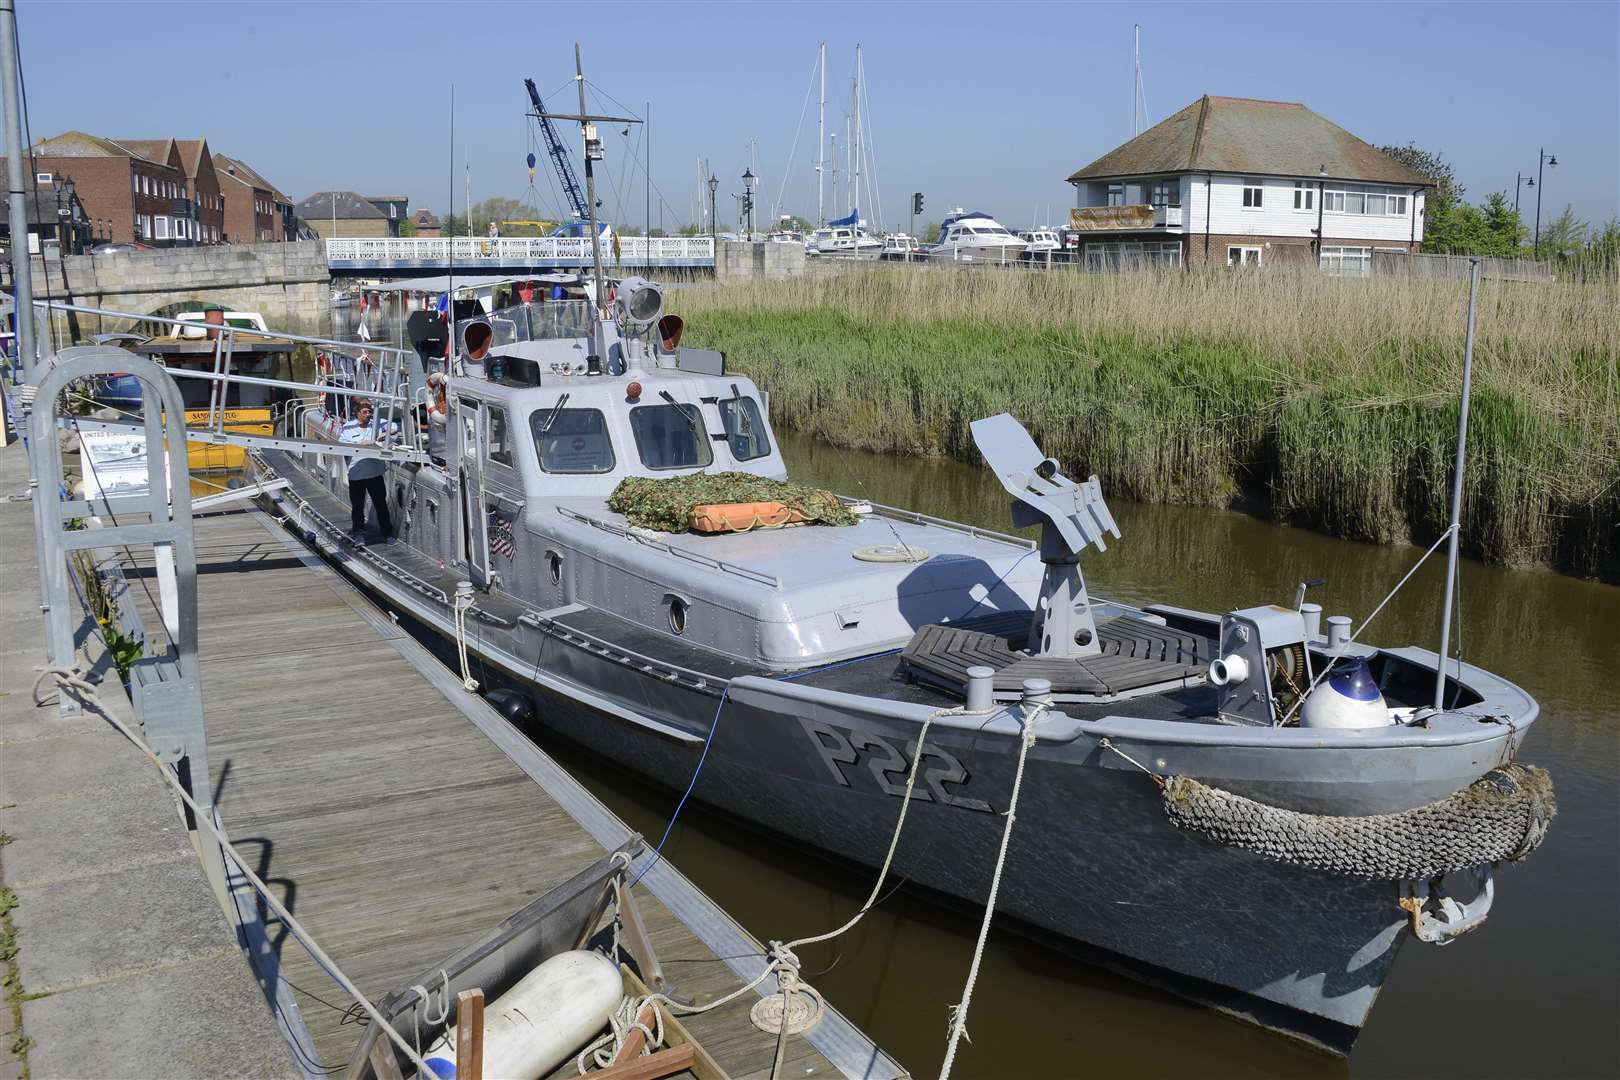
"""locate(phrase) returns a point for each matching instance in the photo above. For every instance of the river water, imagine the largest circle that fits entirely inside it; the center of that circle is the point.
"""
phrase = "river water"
(1534, 993)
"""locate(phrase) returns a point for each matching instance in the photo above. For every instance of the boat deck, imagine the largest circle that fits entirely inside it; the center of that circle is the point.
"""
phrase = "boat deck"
(401, 818)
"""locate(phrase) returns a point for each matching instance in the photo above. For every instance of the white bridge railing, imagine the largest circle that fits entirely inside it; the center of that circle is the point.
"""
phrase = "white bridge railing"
(519, 250)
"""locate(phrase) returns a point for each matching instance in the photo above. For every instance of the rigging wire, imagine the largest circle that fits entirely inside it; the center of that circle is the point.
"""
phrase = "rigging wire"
(870, 154)
(680, 221)
(787, 172)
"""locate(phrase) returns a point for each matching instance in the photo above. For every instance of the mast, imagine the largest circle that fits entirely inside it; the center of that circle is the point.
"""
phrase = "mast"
(821, 138)
(1457, 494)
(588, 131)
(646, 172)
(856, 175)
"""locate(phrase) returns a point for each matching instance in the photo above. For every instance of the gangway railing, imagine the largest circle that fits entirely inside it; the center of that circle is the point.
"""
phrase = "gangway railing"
(344, 371)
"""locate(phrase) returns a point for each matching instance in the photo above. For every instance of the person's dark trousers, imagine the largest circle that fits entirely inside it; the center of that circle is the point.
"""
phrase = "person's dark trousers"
(378, 490)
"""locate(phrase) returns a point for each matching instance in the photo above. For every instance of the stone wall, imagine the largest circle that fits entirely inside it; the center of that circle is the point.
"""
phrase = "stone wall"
(282, 281)
(748, 260)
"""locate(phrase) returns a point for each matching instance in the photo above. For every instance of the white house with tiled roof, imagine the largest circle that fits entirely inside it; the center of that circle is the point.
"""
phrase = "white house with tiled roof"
(1242, 182)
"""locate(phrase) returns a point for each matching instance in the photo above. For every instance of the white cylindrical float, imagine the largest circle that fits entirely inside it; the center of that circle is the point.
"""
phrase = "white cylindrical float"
(547, 1017)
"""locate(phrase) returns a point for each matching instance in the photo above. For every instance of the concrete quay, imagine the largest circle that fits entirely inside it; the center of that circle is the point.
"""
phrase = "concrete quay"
(121, 962)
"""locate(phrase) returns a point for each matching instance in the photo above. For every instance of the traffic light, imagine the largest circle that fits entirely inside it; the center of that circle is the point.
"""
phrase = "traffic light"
(916, 202)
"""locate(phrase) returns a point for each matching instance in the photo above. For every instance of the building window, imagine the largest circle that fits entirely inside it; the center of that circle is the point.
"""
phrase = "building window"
(1359, 200)
(1304, 195)
(1350, 261)
(1116, 195)
(135, 182)
(1243, 255)
(43, 178)
(1118, 256)
(162, 225)
(1253, 193)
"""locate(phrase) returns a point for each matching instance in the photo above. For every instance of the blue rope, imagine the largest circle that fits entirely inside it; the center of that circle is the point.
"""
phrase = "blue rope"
(714, 725)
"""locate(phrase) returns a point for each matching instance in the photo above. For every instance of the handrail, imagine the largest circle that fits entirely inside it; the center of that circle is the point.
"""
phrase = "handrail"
(191, 324)
(517, 248)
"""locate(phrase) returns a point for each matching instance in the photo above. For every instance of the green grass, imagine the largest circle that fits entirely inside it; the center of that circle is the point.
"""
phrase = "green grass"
(1329, 402)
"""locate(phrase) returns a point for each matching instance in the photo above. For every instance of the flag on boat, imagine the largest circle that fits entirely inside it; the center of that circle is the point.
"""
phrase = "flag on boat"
(500, 534)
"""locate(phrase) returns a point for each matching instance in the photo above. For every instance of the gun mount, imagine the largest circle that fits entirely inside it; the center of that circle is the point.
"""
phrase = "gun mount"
(1072, 518)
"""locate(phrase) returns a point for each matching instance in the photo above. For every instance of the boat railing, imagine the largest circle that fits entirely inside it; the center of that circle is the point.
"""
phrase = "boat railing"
(385, 381)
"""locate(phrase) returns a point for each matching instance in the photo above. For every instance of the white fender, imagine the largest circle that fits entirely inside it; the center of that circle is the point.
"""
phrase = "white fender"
(1348, 699)
(547, 1017)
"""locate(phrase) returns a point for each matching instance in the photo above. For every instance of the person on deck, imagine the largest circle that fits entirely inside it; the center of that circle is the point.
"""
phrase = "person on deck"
(366, 473)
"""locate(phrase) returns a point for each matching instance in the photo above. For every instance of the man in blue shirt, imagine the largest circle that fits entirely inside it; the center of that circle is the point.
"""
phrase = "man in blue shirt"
(366, 473)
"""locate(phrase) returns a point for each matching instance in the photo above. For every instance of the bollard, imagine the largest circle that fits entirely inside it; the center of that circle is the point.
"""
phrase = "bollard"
(980, 688)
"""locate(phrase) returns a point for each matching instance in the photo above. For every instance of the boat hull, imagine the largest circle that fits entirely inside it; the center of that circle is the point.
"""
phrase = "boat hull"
(1094, 860)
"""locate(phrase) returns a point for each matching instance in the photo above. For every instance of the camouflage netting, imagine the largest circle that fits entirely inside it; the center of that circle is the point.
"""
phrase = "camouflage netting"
(665, 504)
(1502, 815)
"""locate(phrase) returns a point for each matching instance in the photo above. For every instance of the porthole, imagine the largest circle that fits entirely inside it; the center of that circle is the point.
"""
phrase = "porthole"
(677, 614)
(554, 566)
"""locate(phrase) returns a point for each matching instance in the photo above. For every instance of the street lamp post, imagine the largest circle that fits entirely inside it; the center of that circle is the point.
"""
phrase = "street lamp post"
(749, 179)
(1543, 159)
(714, 224)
(1523, 182)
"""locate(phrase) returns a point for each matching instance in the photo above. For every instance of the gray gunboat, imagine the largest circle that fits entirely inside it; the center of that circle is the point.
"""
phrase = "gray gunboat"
(1249, 808)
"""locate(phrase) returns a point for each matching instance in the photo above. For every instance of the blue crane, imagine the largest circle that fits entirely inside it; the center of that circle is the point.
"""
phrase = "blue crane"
(558, 154)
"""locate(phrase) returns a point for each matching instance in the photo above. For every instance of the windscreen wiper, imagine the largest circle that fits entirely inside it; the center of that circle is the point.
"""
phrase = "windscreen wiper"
(551, 417)
(691, 421)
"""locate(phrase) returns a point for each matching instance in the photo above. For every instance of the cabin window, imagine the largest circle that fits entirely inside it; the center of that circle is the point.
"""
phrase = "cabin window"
(572, 440)
(745, 431)
(671, 436)
(500, 438)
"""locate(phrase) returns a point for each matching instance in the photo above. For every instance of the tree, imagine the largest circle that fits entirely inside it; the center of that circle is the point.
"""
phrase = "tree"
(689, 230)
(1504, 230)
(1563, 237)
(930, 233)
(1440, 232)
(407, 227)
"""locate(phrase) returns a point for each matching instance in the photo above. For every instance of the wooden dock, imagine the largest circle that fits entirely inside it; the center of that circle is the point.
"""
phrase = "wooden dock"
(400, 817)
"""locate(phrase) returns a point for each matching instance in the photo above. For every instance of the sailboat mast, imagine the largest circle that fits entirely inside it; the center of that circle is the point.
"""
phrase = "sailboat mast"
(856, 176)
(821, 140)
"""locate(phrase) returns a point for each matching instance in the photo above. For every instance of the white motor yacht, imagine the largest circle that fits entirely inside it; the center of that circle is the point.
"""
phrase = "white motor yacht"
(974, 236)
(846, 236)
(901, 247)
(1041, 241)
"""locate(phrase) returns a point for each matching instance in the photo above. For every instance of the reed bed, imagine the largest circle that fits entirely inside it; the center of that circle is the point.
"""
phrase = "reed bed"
(1324, 401)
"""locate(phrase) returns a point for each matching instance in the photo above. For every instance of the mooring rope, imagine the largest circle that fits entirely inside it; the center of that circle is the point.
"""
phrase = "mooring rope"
(959, 1012)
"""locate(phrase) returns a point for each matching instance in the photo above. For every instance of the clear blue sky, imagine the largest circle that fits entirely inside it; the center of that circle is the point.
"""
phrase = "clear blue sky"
(989, 106)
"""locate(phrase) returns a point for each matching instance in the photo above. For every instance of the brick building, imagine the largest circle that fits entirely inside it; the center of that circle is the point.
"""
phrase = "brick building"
(255, 210)
(335, 214)
(1242, 182)
(127, 194)
(426, 223)
(206, 221)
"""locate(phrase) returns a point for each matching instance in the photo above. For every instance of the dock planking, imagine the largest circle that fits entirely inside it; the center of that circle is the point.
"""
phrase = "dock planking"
(391, 825)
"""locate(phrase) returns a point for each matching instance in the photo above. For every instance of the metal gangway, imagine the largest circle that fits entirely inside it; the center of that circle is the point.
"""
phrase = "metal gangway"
(391, 377)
